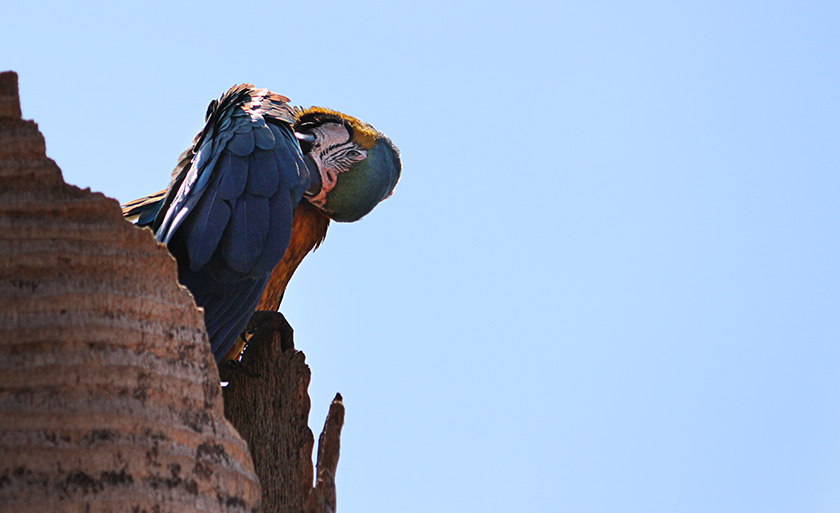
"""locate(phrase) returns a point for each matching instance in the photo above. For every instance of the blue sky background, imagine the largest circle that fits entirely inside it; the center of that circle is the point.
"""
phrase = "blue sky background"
(608, 280)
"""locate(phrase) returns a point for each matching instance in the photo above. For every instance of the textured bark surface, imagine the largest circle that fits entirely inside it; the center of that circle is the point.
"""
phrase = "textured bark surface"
(267, 400)
(109, 396)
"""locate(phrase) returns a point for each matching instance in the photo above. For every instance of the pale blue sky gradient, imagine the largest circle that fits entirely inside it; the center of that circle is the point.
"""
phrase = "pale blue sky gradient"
(608, 280)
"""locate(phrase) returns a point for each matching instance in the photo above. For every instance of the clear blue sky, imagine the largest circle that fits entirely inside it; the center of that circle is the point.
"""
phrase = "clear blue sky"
(608, 280)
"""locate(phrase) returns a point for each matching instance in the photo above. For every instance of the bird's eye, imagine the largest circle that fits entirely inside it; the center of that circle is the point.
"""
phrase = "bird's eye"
(353, 154)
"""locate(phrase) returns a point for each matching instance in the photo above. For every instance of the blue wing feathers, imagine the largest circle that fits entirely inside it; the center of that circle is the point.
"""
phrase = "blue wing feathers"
(227, 306)
(242, 143)
(204, 228)
(264, 138)
(279, 133)
(264, 177)
(290, 165)
(233, 322)
(242, 122)
(244, 239)
(281, 208)
(233, 175)
(257, 122)
(237, 189)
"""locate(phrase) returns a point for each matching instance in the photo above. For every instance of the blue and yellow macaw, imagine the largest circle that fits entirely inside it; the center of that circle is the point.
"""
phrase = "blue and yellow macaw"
(254, 194)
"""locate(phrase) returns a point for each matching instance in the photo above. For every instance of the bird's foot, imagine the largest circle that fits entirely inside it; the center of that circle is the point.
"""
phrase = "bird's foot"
(265, 331)
(265, 324)
(231, 367)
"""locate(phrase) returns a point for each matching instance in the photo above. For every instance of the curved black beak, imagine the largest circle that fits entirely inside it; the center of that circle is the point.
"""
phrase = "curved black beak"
(306, 141)
(305, 137)
(314, 176)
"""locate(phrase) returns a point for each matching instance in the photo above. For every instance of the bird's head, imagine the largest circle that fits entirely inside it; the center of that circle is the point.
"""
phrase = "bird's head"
(353, 166)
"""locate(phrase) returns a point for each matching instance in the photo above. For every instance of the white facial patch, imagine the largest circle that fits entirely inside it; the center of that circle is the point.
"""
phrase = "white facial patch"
(334, 153)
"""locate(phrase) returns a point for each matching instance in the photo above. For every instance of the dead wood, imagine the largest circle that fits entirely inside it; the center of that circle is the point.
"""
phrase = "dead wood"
(267, 400)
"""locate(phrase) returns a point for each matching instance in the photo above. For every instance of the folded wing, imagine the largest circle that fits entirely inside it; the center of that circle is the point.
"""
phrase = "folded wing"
(227, 215)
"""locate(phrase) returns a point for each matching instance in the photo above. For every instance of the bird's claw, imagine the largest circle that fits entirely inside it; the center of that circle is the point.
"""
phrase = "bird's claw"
(230, 367)
(264, 323)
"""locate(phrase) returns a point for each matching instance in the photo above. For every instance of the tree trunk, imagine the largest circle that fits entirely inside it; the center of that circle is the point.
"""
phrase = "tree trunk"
(109, 396)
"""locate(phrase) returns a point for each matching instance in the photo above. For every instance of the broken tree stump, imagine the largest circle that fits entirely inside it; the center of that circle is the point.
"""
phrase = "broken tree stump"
(267, 400)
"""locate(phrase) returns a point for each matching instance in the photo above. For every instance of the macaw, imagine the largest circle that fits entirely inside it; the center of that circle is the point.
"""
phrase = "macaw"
(254, 194)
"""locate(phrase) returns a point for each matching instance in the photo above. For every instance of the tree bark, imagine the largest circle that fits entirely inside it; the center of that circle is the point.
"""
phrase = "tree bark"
(267, 401)
(109, 396)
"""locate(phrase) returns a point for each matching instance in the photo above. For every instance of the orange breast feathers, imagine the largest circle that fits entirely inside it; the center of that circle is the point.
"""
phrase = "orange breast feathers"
(309, 228)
